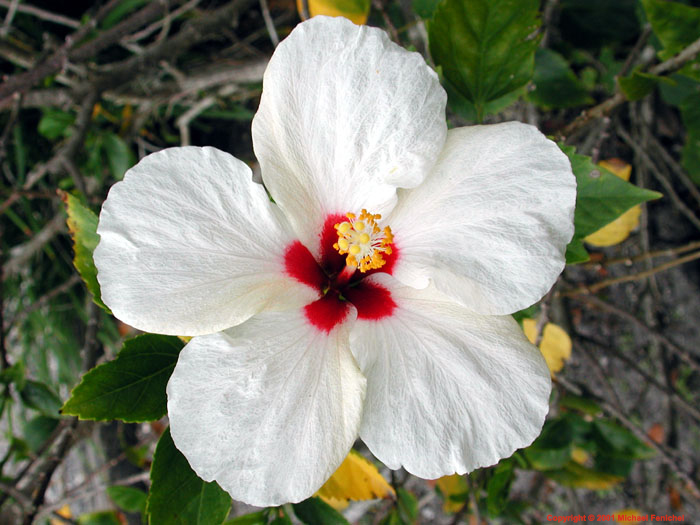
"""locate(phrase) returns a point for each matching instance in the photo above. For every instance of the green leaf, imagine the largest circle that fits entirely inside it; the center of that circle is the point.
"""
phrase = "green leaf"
(407, 505)
(392, 518)
(556, 85)
(587, 406)
(690, 113)
(575, 475)
(486, 48)
(178, 496)
(55, 123)
(674, 23)
(498, 488)
(254, 518)
(119, 156)
(552, 449)
(638, 85)
(14, 374)
(105, 517)
(576, 252)
(120, 11)
(131, 387)
(601, 197)
(425, 8)
(40, 397)
(129, 499)
(38, 430)
(82, 224)
(619, 442)
(465, 109)
(315, 511)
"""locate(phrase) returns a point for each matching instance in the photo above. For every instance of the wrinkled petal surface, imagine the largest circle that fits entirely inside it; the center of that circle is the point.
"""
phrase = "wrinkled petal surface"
(447, 390)
(269, 409)
(345, 117)
(191, 245)
(491, 222)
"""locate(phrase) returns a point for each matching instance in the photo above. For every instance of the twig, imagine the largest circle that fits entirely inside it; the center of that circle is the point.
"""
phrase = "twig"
(52, 465)
(639, 44)
(24, 81)
(3, 350)
(656, 172)
(19, 255)
(42, 14)
(676, 168)
(678, 61)
(68, 151)
(390, 27)
(192, 32)
(91, 348)
(24, 501)
(548, 11)
(674, 394)
(75, 174)
(83, 493)
(9, 125)
(58, 290)
(605, 107)
(184, 120)
(473, 503)
(160, 23)
(691, 486)
(269, 24)
(682, 353)
(603, 379)
(596, 287)
(12, 9)
(668, 252)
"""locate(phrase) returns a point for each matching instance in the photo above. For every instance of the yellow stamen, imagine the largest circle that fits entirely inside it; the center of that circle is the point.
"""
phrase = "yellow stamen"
(364, 242)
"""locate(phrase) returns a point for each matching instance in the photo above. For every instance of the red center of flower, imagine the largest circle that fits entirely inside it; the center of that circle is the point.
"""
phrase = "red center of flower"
(338, 284)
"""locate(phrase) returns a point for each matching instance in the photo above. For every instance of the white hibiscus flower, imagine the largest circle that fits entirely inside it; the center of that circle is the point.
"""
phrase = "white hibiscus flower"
(317, 319)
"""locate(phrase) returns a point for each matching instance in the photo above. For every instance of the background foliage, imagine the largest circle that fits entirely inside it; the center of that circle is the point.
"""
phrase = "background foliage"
(90, 87)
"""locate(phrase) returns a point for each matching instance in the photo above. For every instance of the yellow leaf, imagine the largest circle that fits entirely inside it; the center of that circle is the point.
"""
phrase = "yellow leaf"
(356, 11)
(63, 512)
(579, 455)
(454, 485)
(575, 475)
(356, 479)
(555, 345)
(619, 229)
(634, 513)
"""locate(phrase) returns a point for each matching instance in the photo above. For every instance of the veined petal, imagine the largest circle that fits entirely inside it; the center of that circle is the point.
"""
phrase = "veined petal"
(191, 245)
(447, 390)
(345, 117)
(269, 409)
(491, 222)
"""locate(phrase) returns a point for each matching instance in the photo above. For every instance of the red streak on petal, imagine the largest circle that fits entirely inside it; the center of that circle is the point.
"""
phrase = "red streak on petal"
(371, 300)
(301, 265)
(326, 313)
(331, 260)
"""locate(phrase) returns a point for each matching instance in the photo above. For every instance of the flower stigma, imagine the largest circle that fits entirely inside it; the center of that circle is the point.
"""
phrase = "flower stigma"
(364, 242)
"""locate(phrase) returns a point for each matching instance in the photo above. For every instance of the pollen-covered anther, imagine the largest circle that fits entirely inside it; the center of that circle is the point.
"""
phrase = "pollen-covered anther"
(364, 241)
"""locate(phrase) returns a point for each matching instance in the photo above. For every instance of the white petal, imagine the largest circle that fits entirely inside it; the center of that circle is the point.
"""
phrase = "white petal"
(491, 223)
(345, 117)
(447, 390)
(190, 245)
(269, 409)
